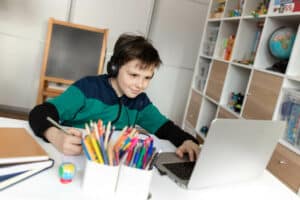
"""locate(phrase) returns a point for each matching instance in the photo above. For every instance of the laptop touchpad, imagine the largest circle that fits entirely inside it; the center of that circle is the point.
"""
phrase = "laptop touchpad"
(182, 170)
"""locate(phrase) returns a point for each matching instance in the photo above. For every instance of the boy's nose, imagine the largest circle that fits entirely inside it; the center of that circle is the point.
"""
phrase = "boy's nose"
(140, 83)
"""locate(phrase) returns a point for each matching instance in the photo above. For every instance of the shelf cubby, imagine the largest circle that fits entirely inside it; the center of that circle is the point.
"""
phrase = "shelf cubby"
(289, 111)
(264, 59)
(234, 8)
(287, 87)
(216, 80)
(236, 82)
(211, 36)
(217, 9)
(226, 40)
(201, 74)
(255, 6)
(247, 41)
(207, 114)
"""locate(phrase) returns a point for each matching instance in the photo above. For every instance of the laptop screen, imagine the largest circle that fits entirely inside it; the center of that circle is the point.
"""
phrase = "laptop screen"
(234, 150)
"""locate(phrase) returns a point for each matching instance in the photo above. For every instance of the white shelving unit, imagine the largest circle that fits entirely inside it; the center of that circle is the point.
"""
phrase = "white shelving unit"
(246, 70)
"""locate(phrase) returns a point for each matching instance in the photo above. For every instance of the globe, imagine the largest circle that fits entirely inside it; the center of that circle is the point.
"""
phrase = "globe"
(281, 42)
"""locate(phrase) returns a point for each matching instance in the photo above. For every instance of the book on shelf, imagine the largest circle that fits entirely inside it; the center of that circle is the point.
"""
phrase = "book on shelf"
(210, 42)
(21, 156)
(283, 6)
(297, 5)
(293, 130)
(258, 32)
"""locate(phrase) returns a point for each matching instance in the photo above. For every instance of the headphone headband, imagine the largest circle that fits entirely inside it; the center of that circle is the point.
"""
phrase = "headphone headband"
(126, 45)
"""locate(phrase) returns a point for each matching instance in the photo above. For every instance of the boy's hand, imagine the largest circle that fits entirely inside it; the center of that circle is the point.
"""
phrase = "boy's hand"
(189, 147)
(66, 144)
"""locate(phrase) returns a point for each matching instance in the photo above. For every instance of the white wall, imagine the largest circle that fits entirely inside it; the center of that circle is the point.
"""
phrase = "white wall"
(23, 27)
(118, 15)
(175, 31)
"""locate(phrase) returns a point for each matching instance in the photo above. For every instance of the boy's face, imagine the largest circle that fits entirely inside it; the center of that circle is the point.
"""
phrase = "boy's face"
(132, 80)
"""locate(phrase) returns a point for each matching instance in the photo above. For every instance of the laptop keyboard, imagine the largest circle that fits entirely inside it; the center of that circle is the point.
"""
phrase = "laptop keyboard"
(183, 169)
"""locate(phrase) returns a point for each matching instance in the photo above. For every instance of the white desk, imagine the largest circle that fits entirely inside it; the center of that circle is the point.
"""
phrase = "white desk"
(47, 186)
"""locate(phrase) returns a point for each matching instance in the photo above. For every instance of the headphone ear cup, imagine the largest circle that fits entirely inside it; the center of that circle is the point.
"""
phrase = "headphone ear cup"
(114, 71)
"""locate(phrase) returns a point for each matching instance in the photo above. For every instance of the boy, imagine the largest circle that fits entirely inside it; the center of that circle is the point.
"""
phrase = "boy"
(117, 97)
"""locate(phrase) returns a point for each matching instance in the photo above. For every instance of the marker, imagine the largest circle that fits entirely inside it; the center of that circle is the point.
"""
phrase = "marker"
(54, 123)
(148, 154)
(129, 156)
(136, 156)
(139, 163)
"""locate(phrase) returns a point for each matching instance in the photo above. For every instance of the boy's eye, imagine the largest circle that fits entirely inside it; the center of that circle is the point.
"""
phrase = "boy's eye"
(133, 75)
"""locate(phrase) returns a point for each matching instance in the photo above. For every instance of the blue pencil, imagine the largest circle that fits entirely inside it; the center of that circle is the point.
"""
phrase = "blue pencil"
(85, 151)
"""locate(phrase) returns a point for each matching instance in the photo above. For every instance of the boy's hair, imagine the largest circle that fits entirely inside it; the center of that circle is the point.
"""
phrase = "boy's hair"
(130, 47)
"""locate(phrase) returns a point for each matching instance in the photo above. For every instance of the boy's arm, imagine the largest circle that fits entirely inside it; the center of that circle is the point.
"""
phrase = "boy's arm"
(61, 108)
(38, 121)
(174, 134)
(67, 144)
(154, 122)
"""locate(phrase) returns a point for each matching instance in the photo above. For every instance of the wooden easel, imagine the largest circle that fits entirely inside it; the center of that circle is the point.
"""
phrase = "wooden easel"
(55, 76)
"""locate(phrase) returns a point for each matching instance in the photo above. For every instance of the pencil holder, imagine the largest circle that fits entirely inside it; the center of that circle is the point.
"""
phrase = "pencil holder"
(133, 183)
(99, 181)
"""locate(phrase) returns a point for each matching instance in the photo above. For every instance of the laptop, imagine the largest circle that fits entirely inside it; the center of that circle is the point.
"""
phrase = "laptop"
(234, 151)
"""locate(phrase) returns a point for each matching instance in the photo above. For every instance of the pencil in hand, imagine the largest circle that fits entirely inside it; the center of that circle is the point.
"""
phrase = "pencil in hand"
(54, 123)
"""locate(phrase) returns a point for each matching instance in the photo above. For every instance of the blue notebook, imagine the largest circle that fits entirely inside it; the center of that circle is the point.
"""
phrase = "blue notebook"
(7, 180)
(9, 176)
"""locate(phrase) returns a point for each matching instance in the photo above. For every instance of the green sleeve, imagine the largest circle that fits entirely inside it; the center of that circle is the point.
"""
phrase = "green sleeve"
(68, 103)
(151, 119)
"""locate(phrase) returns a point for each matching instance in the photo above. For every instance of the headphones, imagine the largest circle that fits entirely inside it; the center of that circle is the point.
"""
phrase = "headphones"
(114, 65)
(112, 68)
